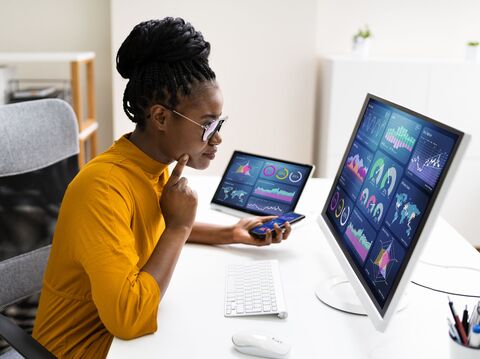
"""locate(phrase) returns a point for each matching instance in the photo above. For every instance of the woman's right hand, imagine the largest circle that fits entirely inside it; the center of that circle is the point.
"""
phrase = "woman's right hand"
(178, 201)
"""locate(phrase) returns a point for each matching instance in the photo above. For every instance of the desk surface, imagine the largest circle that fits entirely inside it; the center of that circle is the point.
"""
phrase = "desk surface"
(191, 322)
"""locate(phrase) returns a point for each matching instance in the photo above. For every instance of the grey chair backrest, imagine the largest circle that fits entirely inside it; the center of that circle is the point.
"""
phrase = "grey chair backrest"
(36, 134)
(38, 144)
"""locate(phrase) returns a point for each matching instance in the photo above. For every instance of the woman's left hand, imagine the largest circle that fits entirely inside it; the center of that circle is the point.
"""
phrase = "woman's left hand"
(241, 235)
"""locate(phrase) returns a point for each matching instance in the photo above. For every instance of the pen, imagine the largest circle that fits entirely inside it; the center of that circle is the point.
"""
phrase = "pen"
(465, 319)
(453, 332)
(458, 324)
(474, 316)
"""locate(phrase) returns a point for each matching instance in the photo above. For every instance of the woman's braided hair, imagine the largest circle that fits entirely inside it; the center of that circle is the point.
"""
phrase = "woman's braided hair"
(161, 59)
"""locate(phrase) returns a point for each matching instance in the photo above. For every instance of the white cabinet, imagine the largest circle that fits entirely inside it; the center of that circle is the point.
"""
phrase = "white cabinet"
(447, 91)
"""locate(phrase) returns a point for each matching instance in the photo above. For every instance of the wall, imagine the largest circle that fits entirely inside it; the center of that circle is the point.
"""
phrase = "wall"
(409, 28)
(62, 25)
(263, 53)
(413, 29)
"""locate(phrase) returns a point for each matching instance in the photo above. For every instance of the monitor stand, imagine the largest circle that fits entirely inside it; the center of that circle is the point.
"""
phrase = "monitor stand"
(337, 293)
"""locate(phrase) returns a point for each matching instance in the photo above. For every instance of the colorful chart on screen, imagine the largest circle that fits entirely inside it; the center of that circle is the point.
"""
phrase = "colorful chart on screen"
(379, 187)
(359, 235)
(400, 137)
(373, 125)
(383, 190)
(384, 262)
(355, 169)
(406, 211)
(261, 185)
(429, 158)
(340, 208)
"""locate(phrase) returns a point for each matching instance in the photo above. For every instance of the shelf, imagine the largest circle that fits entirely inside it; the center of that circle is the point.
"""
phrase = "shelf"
(87, 124)
(9, 57)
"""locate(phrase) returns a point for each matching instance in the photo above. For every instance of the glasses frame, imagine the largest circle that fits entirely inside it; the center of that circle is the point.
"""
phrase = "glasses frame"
(205, 138)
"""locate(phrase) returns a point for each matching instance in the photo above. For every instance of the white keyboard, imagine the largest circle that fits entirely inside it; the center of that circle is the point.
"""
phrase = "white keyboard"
(254, 288)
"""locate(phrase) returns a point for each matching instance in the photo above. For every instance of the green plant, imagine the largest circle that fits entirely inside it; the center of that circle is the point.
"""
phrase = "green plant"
(362, 33)
(473, 43)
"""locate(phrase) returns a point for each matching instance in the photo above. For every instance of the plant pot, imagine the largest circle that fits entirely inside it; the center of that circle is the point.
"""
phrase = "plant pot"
(472, 53)
(361, 48)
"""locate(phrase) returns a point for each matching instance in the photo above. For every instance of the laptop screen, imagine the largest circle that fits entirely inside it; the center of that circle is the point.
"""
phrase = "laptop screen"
(261, 185)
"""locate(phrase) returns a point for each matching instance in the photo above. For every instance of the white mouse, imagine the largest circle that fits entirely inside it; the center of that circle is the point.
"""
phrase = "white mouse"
(260, 344)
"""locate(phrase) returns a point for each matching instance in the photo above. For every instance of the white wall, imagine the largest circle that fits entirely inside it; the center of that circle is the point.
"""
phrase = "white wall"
(408, 28)
(415, 29)
(263, 53)
(62, 25)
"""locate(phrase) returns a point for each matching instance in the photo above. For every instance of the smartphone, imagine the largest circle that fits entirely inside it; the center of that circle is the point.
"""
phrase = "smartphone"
(260, 232)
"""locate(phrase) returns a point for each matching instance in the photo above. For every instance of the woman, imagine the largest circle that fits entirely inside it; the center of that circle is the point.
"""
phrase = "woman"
(124, 220)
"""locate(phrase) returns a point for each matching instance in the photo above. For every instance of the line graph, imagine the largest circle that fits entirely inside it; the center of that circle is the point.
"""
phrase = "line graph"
(266, 206)
(430, 157)
(275, 191)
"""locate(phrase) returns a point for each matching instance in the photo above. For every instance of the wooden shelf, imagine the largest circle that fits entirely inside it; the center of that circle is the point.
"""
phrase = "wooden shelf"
(87, 123)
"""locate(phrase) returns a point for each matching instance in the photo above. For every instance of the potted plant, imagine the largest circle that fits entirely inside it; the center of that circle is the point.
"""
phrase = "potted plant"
(472, 51)
(361, 42)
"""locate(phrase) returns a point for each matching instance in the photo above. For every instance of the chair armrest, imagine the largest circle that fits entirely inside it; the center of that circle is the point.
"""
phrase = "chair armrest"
(21, 341)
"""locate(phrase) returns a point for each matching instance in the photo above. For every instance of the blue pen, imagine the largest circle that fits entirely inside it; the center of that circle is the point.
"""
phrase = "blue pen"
(453, 331)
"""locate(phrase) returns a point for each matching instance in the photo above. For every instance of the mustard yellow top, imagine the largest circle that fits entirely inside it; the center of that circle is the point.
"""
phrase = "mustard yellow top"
(108, 226)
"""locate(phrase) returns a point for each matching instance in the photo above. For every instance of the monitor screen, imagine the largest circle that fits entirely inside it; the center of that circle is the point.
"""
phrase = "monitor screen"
(384, 190)
(261, 185)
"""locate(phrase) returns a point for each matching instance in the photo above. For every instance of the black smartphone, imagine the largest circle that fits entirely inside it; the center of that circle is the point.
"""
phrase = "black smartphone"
(260, 232)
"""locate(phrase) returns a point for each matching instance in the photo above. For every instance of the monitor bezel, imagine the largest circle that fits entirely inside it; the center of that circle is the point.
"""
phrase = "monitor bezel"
(242, 212)
(381, 316)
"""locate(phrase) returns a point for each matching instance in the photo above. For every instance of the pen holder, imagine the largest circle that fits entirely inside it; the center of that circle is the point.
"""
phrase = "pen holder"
(460, 351)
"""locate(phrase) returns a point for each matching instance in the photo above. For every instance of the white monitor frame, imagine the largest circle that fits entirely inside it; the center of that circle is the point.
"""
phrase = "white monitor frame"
(437, 198)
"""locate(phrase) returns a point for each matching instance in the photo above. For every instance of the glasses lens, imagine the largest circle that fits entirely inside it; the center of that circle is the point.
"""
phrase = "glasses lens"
(212, 129)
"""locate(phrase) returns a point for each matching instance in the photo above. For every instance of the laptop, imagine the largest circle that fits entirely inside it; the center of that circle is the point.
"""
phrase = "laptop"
(259, 185)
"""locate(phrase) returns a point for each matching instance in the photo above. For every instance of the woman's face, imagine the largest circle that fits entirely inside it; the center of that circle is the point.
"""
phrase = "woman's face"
(180, 135)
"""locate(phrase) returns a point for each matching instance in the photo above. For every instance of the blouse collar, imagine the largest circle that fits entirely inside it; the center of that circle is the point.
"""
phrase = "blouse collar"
(138, 157)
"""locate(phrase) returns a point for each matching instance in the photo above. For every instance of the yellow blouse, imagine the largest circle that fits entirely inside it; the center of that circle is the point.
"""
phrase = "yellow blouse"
(109, 223)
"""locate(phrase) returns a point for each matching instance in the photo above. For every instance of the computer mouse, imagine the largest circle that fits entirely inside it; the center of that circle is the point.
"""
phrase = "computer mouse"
(260, 344)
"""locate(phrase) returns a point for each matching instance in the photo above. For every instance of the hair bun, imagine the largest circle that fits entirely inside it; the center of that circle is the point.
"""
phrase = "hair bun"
(163, 41)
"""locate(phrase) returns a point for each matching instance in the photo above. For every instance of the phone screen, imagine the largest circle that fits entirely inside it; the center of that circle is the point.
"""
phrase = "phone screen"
(287, 217)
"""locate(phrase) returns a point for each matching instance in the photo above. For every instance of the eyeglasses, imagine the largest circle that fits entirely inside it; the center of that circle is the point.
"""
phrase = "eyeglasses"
(209, 129)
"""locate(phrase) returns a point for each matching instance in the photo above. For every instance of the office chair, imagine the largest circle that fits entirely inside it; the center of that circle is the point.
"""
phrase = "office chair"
(38, 150)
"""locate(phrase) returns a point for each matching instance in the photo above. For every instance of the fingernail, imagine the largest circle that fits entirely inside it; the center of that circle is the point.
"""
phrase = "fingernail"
(185, 158)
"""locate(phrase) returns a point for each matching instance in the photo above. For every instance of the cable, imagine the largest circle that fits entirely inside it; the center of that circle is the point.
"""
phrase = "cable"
(444, 291)
(449, 266)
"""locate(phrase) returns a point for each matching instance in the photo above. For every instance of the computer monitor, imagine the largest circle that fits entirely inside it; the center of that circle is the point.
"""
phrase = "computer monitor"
(384, 200)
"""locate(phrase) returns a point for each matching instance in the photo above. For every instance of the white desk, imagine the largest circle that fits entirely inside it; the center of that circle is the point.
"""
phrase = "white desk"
(191, 322)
